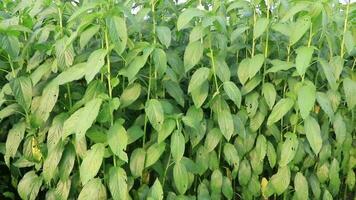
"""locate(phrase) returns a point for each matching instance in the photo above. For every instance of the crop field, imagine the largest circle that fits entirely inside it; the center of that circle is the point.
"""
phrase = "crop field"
(177, 100)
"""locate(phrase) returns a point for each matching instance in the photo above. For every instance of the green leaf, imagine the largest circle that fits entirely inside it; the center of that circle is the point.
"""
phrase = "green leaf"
(199, 95)
(167, 128)
(118, 183)
(299, 28)
(153, 153)
(312, 131)
(67, 162)
(117, 140)
(187, 15)
(306, 98)
(289, 149)
(280, 181)
(164, 35)
(94, 64)
(255, 64)
(22, 90)
(328, 71)
(231, 155)
(301, 186)
(192, 55)
(81, 10)
(244, 172)
(233, 92)
(160, 61)
(87, 35)
(117, 32)
(29, 186)
(46, 104)
(156, 191)
(302, 61)
(14, 138)
(260, 27)
(227, 189)
(212, 139)
(350, 92)
(180, 177)
(279, 110)
(154, 112)
(334, 184)
(271, 154)
(261, 147)
(269, 93)
(71, 74)
(198, 78)
(325, 104)
(91, 163)
(80, 121)
(137, 162)
(130, 94)
(93, 190)
(243, 70)
(136, 64)
(177, 145)
(216, 181)
(51, 162)
(175, 91)
(226, 123)
(339, 129)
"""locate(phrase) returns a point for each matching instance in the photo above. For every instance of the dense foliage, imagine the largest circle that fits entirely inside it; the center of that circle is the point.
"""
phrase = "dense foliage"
(207, 99)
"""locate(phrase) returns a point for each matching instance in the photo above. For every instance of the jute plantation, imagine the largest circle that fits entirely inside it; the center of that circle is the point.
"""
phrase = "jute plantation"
(172, 99)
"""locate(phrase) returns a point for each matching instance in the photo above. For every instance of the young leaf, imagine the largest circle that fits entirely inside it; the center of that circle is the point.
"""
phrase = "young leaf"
(156, 192)
(164, 35)
(260, 27)
(117, 140)
(153, 153)
(177, 145)
(185, 17)
(22, 90)
(312, 131)
(301, 186)
(302, 61)
(198, 78)
(29, 186)
(269, 92)
(289, 149)
(93, 190)
(299, 28)
(306, 98)
(180, 177)
(14, 138)
(137, 162)
(233, 92)
(91, 162)
(80, 121)
(117, 32)
(94, 64)
(279, 110)
(192, 55)
(154, 112)
(350, 92)
(118, 183)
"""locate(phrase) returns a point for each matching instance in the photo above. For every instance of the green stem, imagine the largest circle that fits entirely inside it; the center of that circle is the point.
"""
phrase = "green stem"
(148, 98)
(288, 52)
(253, 39)
(60, 20)
(69, 96)
(108, 63)
(11, 65)
(345, 28)
(213, 65)
(310, 34)
(266, 48)
(165, 171)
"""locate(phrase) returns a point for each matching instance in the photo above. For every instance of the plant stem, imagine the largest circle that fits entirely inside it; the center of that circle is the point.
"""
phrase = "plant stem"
(148, 98)
(213, 65)
(266, 47)
(11, 65)
(108, 63)
(345, 28)
(253, 39)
